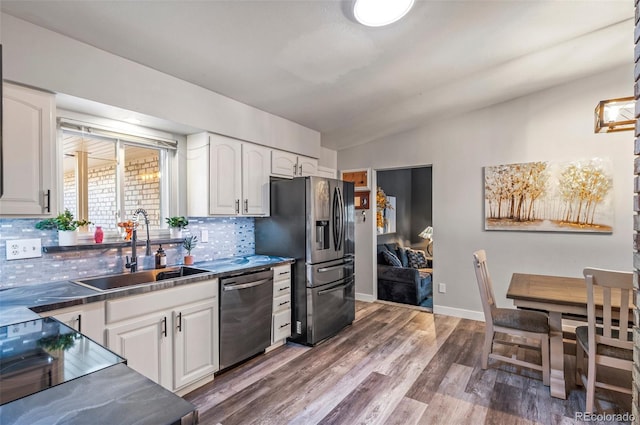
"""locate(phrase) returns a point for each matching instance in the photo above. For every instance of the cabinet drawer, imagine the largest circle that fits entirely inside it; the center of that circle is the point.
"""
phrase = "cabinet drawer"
(281, 288)
(282, 273)
(137, 305)
(281, 303)
(281, 325)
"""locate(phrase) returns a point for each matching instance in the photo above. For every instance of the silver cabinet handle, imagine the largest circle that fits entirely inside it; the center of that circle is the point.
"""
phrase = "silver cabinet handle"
(295, 168)
(164, 326)
(300, 170)
(283, 289)
(179, 322)
(246, 206)
(237, 206)
(285, 325)
(80, 323)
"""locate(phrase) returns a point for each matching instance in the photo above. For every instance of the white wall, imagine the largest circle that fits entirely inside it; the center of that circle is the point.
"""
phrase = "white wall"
(44, 59)
(328, 158)
(553, 125)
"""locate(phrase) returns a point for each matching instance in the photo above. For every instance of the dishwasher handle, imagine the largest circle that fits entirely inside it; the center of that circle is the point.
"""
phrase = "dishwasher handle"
(233, 287)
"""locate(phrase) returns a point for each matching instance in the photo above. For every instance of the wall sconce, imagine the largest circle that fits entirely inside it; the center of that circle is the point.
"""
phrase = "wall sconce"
(615, 115)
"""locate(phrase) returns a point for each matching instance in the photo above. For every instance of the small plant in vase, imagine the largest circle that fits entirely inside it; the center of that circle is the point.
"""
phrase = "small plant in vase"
(189, 243)
(176, 224)
(66, 226)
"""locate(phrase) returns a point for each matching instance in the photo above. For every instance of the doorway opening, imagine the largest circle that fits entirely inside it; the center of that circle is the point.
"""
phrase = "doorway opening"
(404, 229)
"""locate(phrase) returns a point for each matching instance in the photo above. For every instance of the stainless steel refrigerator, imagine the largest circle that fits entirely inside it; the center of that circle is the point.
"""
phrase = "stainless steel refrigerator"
(312, 220)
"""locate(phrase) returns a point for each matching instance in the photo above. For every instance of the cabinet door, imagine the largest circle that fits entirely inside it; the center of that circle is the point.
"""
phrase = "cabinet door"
(255, 179)
(195, 342)
(88, 319)
(307, 166)
(225, 175)
(28, 152)
(145, 343)
(284, 164)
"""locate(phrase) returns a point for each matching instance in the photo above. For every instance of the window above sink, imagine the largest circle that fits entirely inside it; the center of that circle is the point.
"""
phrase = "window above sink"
(107, 174)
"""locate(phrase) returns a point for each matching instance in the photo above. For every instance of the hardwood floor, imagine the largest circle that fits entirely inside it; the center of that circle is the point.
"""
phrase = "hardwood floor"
(394, 365)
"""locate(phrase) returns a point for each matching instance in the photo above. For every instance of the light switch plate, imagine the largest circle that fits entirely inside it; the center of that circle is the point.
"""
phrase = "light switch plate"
(204, 236)
(18, 249)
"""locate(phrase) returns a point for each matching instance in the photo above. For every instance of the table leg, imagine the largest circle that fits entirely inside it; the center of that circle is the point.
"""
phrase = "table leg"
(557, 387)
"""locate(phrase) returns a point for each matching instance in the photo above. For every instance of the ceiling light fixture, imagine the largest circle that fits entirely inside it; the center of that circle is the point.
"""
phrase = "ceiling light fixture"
(615, 115)
(377, 13)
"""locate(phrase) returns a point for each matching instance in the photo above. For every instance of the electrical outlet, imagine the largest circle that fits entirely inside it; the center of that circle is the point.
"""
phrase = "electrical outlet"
(23, 248)
(204, 236)
(442, 288)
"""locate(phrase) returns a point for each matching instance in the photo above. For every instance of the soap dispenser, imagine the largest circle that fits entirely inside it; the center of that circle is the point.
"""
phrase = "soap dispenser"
(161, 258)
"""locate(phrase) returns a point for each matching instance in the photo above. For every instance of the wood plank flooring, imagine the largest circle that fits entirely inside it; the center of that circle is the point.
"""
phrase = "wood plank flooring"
(394, 365)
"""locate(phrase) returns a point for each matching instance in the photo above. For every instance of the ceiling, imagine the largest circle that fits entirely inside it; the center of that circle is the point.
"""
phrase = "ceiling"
(309, 62)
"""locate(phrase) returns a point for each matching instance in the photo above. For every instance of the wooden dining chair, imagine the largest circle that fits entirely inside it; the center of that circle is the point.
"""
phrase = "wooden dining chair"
(609, 343)
(522, 324)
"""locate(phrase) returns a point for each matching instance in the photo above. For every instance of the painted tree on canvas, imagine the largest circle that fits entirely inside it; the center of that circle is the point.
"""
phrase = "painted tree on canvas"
(549, 196)
(512, 191)
(582, 188)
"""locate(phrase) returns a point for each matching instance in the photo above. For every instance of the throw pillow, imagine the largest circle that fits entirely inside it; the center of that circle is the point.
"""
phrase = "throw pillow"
(417, 258)
(402, 256)
(391, 258)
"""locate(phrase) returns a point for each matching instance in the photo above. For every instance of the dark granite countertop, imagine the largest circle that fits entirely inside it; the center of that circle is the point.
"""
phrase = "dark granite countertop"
(22, 303)
(124, 397)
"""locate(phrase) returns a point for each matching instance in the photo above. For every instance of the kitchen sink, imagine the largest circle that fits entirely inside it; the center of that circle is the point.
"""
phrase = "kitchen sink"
(138, 278)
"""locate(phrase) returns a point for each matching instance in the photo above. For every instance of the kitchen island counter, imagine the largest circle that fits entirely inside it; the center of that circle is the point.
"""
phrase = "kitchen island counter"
(114, 395)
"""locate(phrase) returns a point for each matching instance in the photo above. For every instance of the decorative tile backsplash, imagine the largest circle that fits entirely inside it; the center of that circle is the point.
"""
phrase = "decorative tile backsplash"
(228, 237)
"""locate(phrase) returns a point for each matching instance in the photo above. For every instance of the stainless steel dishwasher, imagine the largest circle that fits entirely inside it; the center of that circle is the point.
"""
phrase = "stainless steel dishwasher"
(246, 304)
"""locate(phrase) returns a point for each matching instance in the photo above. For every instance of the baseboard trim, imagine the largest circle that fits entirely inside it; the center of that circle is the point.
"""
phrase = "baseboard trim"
(365, 297)
(458, 312)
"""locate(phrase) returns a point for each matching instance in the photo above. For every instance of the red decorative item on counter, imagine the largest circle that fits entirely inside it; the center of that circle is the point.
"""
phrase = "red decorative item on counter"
(98, 236)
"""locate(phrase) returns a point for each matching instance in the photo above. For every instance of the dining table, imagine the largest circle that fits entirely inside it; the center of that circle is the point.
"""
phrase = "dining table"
(558, 296)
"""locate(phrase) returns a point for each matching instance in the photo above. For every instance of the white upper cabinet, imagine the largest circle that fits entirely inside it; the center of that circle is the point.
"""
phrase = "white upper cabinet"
(226, 176)
(286, 164)
(307, 166)
(28, 152)
(255, 179)
(225, 192)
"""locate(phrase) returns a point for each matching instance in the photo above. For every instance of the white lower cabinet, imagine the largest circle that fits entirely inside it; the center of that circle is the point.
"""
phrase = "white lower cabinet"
(175, 345)
(87, 319)
(195, 352)
(145, 344)
(281, 320)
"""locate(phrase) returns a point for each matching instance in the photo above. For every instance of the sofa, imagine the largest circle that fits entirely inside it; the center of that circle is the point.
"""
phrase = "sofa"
(402, 282)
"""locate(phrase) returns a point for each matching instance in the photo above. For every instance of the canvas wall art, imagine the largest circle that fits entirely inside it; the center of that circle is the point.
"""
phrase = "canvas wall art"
(550, 196)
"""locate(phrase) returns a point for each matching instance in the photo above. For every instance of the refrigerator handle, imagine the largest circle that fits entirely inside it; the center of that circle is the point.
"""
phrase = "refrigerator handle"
(336, 219)
(340, 214)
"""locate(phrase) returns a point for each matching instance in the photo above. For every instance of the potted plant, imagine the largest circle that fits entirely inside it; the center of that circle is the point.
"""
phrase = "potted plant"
(66, 226)
(176, 224)
(189, 243)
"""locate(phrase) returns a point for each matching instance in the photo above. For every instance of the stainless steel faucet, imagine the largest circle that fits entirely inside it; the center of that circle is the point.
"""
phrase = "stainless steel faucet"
(133, 263)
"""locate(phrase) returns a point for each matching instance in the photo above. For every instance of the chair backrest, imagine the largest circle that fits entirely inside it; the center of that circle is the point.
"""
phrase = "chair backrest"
(484, 284)
(616, 288)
